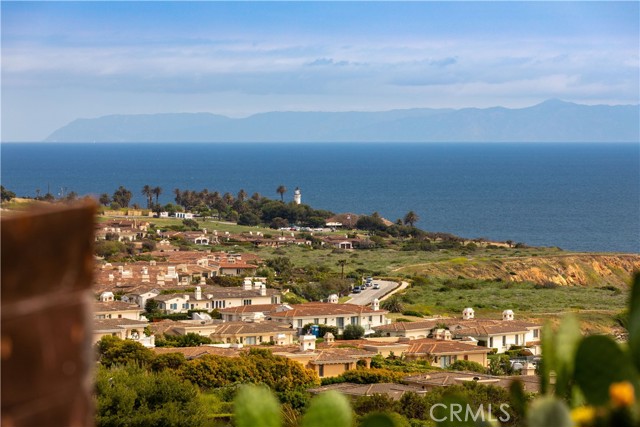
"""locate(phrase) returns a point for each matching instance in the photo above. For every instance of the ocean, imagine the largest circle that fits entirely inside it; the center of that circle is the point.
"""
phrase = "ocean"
(582, 197)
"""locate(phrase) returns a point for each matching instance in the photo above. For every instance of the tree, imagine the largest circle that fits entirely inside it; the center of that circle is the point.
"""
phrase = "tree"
(122, 197)
(281, 190)
(114, 351)
(411, 218)
(7, 195)
(242, 195)
(151, 306)
(248, 218)
(133, 396)
(157, 191)
(342, 263)
(353, 332)
(104, 199)
(393, 304)
(146, 191)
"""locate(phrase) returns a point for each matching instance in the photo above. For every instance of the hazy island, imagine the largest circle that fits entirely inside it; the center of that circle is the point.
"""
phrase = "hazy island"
(550, 121)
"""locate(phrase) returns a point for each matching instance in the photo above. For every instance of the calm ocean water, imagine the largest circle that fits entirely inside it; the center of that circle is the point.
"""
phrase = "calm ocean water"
(582, 197)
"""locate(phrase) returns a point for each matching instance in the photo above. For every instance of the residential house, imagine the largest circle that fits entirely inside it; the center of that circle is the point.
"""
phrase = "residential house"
(122, 328)
(254, 333)
(492, 333)
(326, 362)
(247, 312)
(432, 380)
(391, 390)
(116, 310)
(215, 297)
(332, 314)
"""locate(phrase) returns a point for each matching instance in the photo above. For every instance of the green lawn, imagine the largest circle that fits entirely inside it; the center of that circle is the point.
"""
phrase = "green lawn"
(490, 298)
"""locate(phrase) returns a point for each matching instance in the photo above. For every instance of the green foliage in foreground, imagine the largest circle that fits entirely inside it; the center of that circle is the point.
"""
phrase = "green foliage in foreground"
(131, 396)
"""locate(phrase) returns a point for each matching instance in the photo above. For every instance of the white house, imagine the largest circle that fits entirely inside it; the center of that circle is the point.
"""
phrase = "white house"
(338, 315)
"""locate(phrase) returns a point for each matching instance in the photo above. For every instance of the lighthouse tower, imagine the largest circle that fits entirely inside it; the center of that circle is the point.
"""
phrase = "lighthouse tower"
(297, 196)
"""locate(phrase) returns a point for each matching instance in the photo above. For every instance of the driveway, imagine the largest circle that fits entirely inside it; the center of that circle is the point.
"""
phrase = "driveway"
(369, 294)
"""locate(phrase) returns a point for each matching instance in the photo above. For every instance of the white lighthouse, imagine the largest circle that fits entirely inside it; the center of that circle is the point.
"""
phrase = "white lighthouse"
(297, 196)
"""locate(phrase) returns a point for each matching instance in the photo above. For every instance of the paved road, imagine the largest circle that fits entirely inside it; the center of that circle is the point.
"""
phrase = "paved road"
(369, 294)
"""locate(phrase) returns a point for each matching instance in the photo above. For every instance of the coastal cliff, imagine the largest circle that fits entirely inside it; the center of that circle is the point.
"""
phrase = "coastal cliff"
(563, 270)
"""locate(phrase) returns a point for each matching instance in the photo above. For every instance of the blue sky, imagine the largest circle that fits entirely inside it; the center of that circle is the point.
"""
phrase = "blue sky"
(68, 60)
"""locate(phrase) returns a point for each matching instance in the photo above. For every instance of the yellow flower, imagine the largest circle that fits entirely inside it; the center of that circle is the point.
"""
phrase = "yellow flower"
(583, 415)
(622, 394)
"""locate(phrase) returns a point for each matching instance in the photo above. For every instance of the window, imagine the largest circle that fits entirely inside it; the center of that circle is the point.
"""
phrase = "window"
(504, 340)
(246, 302)
(299, 323)
(535, 333)
(370, 319)
(340, 322)
(381, 318)
(491, 342)
(206, 305)
(316, 321)
(354, 320)
(174, 306)
(347, 366)
(517, 339)
(250, 341)
(185, 305)
(218, 304)
(321, 371)
(191, 306)
(466, 357)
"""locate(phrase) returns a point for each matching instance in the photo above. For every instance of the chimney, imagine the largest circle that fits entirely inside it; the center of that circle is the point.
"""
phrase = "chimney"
(281, 339)
(111, 277)
(375, 305)
(247, 284)
(198, 293)
(263, 290)
(507, 315)
(186, 297)
(333, 299)
(329, 338)
(307, 342)
(468, 313)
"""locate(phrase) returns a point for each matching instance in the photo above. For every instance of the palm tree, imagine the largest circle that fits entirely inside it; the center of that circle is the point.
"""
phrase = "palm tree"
(157, 191)
(342, 263)
(281, 190)
(242, 195)
(146, 191)
(411, 218)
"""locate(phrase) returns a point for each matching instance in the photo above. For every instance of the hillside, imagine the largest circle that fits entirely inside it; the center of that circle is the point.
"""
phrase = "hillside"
(550, 121)
(565, 270)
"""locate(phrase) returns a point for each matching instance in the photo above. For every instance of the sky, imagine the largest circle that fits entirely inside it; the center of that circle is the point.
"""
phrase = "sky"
(67, 60)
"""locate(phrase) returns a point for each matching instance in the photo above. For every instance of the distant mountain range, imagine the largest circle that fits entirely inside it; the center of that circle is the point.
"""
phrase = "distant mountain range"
(550, 121)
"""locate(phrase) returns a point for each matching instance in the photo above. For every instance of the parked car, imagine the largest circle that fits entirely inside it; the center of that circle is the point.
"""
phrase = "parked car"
(357, 290)
(376, 286)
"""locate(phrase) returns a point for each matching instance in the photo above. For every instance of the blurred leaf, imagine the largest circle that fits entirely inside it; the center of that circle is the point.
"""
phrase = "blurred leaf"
(549, 411)
(256, 407)
(548, 363)
(600, 361)
(329, 408)
(518, 398)
(634, 321)
(566, 342)
(380, 419)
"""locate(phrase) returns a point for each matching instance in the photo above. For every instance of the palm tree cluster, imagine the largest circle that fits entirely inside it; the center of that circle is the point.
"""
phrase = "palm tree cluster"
(149, 192)
(252, 210)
